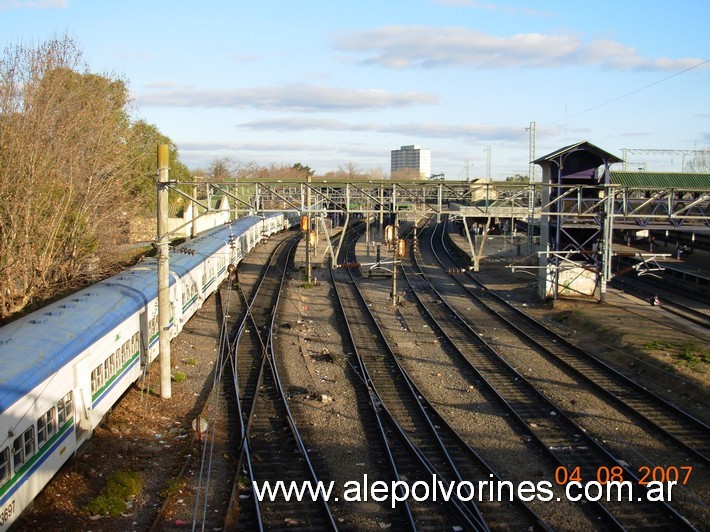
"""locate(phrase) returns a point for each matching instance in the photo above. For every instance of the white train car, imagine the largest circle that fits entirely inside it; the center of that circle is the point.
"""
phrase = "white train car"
(67, 364)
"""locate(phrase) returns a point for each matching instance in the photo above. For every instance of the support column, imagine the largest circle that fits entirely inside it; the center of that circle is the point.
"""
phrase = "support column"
(308, 232)
(193, 210)
(163, 274)
(607, 238)
(395, 257)
(439, 198)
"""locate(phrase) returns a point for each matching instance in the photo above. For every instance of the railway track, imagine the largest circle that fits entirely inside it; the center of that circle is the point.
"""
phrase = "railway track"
(679, 427)
(273, 450)
(675, 300)
(378, 437)
(568, 445)
(416, 452)
(220, 428)
(555, 346)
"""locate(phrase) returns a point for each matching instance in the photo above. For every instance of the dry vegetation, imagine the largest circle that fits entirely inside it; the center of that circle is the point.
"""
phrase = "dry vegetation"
(74, 170)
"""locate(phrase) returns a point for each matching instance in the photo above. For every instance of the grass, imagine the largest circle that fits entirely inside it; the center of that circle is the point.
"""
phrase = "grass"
(688, 353)
(120, 486)
(190, 362)
(173, 487)
(691, 354)
(179, 376)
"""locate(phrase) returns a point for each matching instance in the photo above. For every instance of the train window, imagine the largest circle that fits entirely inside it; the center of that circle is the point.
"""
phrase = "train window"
(108, 369)
(4, 465)
(97, 380)
(64, 407)
(23, 448)
(46, 426)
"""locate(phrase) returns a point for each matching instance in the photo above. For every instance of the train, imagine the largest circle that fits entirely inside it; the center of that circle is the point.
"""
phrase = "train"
(67, 364)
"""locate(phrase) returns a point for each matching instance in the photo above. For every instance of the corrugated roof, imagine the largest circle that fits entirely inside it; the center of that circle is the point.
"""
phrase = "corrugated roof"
(661, 180)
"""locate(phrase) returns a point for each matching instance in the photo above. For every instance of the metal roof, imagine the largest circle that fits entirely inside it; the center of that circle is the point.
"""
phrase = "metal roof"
(661, 180)
(584, 146)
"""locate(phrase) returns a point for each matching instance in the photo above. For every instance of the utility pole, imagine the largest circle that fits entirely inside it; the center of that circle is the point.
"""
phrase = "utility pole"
(531, 195)
(163, 273)
(397, 243)
(308, 232)
(193, 207)
(487, 149)
(531, 154)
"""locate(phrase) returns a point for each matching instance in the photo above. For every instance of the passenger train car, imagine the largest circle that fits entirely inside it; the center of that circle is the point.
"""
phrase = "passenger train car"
(64, 366)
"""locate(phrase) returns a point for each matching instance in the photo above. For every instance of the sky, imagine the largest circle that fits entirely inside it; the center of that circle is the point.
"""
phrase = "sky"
(330, 83)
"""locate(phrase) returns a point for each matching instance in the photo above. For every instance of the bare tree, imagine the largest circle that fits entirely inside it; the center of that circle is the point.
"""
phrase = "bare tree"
(407, 174)
(64, 162)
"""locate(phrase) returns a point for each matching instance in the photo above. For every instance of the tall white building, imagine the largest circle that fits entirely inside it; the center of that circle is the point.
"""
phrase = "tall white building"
(411, 157)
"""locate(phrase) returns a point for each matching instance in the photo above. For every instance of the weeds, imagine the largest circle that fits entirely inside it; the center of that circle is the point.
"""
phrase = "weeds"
(173, 487)
(689, 353)
(120, 486)
(692, 355)
(179, 376)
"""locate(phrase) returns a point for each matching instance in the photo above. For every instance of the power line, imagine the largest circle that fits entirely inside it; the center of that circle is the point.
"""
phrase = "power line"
(640, 89)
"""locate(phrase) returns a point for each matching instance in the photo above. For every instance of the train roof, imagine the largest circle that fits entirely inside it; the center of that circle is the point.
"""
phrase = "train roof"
(35, 346)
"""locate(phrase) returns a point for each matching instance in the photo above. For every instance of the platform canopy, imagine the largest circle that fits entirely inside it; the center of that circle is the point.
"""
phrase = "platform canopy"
(580, 160)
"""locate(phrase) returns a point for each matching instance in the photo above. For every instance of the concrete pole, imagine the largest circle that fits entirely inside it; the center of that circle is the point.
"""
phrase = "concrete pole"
(367, 225)
(439, 194)
(193, 210)
(607, 241)
(308, 232)
(395, 256)
(163, 274)
(382, 212)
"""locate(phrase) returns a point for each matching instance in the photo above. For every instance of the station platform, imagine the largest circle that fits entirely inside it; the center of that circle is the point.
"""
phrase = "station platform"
(690, 267)
(320, 254)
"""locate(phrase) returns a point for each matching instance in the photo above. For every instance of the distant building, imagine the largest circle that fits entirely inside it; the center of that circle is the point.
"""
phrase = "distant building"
(411, 158)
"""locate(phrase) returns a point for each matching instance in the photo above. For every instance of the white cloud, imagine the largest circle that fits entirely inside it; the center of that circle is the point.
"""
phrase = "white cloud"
(420, 130)
(198, 147)
(492, 7)
(430, 47)
(299, 97)
(33, 4)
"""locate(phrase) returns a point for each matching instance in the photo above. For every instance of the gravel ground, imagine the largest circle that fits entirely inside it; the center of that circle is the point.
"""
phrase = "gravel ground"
(155, 437)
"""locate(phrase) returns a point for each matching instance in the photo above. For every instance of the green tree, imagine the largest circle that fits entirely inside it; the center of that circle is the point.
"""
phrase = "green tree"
(144, 140)
(305, 170)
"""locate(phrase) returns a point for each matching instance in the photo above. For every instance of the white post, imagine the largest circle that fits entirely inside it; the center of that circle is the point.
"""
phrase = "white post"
(163, 273)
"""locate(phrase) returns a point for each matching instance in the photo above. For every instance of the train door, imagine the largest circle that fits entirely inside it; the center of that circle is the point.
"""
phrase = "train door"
(144, 337)
(82, 400)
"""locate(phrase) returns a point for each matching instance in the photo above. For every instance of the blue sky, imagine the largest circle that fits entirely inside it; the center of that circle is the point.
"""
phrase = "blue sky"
(327, 83)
